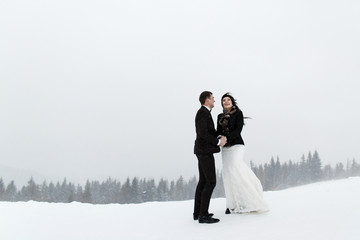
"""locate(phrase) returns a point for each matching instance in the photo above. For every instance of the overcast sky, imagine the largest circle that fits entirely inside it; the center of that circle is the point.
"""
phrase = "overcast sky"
(90, 89)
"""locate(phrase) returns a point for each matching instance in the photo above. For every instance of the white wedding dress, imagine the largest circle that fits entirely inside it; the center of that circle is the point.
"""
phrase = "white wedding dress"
(243, 190)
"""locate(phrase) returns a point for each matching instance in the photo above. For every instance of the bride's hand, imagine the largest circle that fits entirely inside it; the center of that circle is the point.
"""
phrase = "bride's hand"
(223, 141)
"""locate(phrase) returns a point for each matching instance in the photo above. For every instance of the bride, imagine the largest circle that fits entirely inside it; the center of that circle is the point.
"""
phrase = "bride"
(243, 189)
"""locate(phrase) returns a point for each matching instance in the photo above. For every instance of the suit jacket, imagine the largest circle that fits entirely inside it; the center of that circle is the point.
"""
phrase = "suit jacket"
(236, 123)
(206, 136)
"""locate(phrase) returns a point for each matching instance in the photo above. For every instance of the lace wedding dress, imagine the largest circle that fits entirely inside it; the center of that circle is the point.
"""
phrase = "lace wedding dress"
(243, 190)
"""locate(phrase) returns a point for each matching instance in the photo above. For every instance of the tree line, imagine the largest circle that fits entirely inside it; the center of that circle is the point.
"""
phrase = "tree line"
(133, 190)
(273, 176)
(276, 175)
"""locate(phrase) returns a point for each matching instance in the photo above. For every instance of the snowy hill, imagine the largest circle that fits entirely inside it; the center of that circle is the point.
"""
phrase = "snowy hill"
(326, 210)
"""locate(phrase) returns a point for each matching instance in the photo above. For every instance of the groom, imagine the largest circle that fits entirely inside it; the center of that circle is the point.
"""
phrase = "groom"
(206, 144)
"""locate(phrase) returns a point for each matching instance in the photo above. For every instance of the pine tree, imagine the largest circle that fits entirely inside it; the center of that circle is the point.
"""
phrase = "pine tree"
(307, 168)
(339, 171)
(267, 178)
(87, 198)
(315, 167)
(172, 191)
(126, 192)
(261, 174)
(79, 193)
(32, 191)
(163, 190)
(150, 189)
(64, 191)
(284, 176)
(355, 168)
(96, 197)
(51, 191)
(277, 174)
(44, 192)
(2, 190)
(135, 196)
(291, 178)
(11, 192)
(57, 192)
(179, 189)
(303, 174)
(192, 183)
(328, 172)
(71, 193)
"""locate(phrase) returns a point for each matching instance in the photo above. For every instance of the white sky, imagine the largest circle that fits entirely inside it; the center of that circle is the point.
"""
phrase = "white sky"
(90, 89)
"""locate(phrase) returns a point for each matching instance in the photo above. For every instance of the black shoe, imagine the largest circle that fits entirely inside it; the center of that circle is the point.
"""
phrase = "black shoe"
(196, 216)
(208, 219)
(227, 211)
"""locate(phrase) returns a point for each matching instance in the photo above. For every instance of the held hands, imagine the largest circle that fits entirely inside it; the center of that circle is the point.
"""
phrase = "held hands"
(223, 141)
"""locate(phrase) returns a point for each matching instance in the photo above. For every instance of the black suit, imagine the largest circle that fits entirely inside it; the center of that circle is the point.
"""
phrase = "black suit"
(205, 146)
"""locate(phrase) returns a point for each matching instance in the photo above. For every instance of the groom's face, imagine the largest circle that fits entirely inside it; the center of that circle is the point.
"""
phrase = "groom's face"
(211, 101)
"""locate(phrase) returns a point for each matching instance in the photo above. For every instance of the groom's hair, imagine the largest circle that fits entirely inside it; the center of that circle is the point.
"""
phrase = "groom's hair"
(203, 96)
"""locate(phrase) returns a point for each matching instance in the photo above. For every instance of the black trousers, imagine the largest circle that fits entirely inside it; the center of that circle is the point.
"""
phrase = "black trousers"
(206, 185)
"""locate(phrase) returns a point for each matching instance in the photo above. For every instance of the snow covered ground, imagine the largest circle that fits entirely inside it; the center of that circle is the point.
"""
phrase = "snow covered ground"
(326, 210)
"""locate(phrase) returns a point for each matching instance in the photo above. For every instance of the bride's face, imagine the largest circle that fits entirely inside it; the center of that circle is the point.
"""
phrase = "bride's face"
(227, 103)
